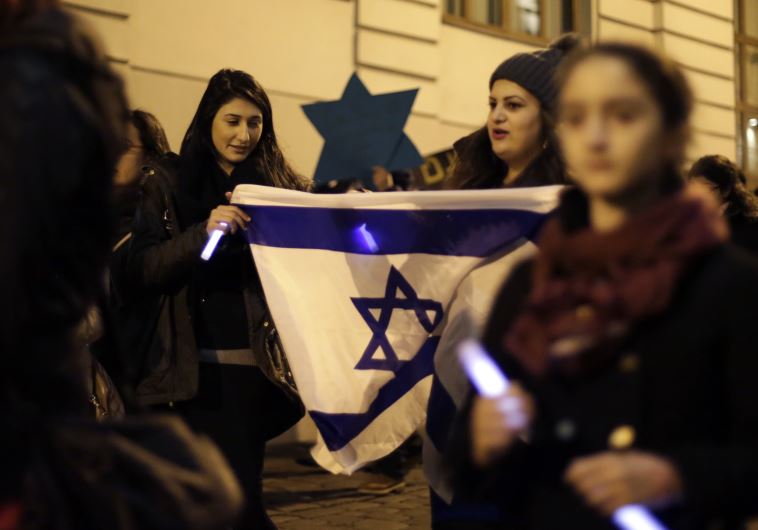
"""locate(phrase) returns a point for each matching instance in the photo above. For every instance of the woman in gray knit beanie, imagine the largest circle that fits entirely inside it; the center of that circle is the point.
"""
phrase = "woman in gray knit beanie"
(516, 148)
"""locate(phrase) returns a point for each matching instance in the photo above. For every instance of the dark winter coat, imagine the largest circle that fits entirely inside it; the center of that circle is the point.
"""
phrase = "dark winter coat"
(684, 382)
(164, 259)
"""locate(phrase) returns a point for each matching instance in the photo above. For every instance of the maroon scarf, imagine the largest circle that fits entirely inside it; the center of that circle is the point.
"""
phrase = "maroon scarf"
(589, 288)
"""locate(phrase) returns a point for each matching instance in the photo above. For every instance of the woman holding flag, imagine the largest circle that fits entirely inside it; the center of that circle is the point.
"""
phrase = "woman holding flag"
(631, 335)
(517, 147)
(223, 357)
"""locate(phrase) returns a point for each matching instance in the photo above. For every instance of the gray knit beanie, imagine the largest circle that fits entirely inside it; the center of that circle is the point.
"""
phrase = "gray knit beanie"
(534, 71)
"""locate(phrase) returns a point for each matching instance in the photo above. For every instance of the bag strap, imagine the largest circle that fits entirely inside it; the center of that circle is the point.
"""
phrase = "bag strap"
(160, 179)
(124, 240)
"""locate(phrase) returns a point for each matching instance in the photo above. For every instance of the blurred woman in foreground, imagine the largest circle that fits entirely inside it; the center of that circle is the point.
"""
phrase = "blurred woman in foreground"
(631, 336)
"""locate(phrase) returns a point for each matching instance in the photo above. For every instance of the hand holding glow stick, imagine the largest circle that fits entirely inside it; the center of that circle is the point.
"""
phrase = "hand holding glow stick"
(227, 216)
(212, 243)
(636, 517)
(490, 381)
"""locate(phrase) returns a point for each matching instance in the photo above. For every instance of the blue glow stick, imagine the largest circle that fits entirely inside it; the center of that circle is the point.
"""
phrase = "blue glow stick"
(212, 243)
(636, 517)
(367, 239)
(490, 381)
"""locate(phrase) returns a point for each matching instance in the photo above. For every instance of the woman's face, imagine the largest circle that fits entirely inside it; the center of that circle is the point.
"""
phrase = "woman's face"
(128, 166)
(236, 130)
(611, 129)
(514, 123)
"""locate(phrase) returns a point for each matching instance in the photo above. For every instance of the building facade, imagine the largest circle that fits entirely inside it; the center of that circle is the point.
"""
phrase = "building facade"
(305, 50)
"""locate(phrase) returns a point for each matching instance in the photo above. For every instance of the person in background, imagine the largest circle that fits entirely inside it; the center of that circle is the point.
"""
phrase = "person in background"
(339, 186)
(60, 468)
(385, 180)
(146, 146)
(629, 338)
(147, 151)
(517, 146)
(739, 205)
(221, 366)
(131, 312)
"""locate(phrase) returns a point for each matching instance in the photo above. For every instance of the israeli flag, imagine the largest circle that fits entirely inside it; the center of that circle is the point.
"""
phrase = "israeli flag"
(363, 287)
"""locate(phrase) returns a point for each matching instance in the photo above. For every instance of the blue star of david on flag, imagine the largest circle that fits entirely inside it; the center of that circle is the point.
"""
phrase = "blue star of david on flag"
(396, 284)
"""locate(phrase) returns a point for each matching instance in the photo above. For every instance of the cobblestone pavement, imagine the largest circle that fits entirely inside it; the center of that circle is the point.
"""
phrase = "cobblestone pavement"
(303, 498)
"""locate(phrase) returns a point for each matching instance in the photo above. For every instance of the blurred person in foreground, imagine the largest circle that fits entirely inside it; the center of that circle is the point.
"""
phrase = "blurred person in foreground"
(630, 338)
(61, 132)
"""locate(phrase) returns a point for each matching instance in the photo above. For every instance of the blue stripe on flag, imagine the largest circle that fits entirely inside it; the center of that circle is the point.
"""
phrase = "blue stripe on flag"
(476, 233)
(470, 512)
(339, 429)
(441, 413)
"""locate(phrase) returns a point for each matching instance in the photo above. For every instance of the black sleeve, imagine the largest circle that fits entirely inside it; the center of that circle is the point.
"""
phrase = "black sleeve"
(722, 478)
(469, 480)
(505, 309)
(156, 261)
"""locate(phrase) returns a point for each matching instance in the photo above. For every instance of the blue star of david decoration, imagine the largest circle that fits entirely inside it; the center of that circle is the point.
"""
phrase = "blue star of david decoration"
(409, 302)
(361, 131)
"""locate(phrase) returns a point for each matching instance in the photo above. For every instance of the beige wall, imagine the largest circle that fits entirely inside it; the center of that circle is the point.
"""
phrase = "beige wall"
(300, 50)
(699, 35)
(305, 50)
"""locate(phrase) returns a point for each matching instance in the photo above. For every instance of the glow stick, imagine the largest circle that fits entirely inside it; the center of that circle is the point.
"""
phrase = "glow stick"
(490, 381)
(210, 246)
(367, 238)
(636, 517)
(485, 375)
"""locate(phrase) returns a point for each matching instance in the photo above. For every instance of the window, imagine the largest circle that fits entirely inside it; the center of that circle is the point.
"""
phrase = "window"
(536, 21)
(747, 93)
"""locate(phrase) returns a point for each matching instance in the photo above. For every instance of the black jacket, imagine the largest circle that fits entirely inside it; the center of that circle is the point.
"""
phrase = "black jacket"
(164, 260)
(153, 321)
(686, 384)
(744, 231)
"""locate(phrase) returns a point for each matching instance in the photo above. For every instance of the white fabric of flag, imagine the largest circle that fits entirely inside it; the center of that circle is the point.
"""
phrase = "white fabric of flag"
(362, 287)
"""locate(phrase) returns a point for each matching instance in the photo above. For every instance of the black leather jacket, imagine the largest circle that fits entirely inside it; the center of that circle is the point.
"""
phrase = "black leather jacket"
(163, 257)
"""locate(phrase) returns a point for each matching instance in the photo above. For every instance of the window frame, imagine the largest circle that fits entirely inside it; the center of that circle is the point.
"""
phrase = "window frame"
(744, 109)
(504, 30)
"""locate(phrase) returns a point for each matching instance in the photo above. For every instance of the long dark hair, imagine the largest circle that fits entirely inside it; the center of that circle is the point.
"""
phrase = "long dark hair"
(730, 181)
(13, 13)
(266, 160)
(663, 79)
(151, 134)
(478, 167)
